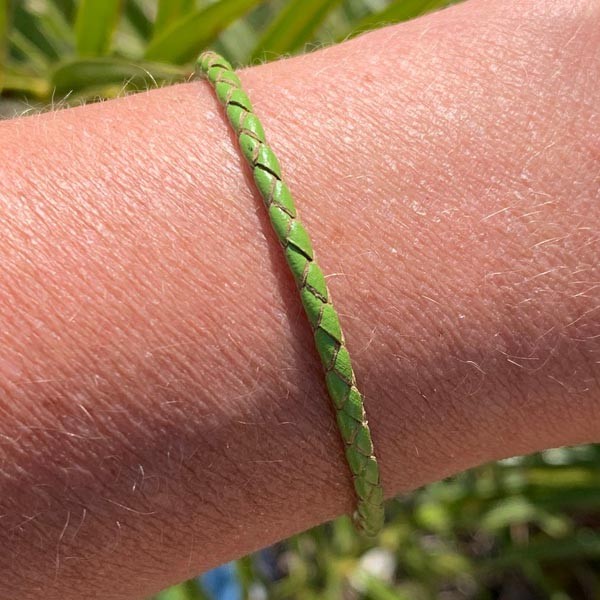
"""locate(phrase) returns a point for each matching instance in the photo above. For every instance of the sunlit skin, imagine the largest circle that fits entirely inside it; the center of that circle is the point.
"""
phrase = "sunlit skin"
(162, 406)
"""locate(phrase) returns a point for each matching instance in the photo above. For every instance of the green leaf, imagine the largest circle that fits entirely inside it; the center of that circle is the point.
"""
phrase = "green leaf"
(377, 589)
(189, 590)
(33, 26)
(138, 19)
(293, 27)
(396, 12)
(184, 39)
(55, 25)
(33, 56)
(237, 41)
(94, 26)
(585, 544)
(4, 27)
(27, 83)
(66, 8)
(94, 73)
(170, 11)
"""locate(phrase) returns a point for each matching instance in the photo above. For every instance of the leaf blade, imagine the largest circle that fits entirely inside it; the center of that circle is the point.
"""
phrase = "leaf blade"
(19, 80)
(138, 19)
(293, 27)
(4, 28)
(183, 40)
(93, 73)
(94, 26)
(170, 11)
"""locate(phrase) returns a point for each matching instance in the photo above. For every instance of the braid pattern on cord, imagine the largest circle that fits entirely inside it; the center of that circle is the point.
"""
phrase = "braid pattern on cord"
(300, 256)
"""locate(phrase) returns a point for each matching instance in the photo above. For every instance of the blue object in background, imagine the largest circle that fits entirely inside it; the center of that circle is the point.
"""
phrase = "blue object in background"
(222, 583)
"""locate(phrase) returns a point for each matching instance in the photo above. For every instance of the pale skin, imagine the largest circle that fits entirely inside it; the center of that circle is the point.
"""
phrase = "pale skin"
(163, 408)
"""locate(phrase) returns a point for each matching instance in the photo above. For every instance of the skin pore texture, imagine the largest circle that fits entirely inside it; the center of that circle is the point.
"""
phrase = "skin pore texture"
(162, 406)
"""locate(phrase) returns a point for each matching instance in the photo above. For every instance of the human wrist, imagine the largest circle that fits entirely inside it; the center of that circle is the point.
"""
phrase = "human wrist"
(463, 171)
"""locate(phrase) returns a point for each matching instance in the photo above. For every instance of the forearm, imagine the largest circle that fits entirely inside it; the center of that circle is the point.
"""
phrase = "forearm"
(163, 406)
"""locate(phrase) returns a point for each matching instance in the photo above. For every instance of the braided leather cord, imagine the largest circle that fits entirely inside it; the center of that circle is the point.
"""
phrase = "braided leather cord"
(300, 256)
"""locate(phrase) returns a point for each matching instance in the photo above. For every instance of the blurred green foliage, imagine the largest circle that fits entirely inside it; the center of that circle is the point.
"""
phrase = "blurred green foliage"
(56, 51)
(522, 529)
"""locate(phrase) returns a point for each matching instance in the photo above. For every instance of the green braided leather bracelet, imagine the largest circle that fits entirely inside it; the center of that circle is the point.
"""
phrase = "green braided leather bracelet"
(300, 256)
